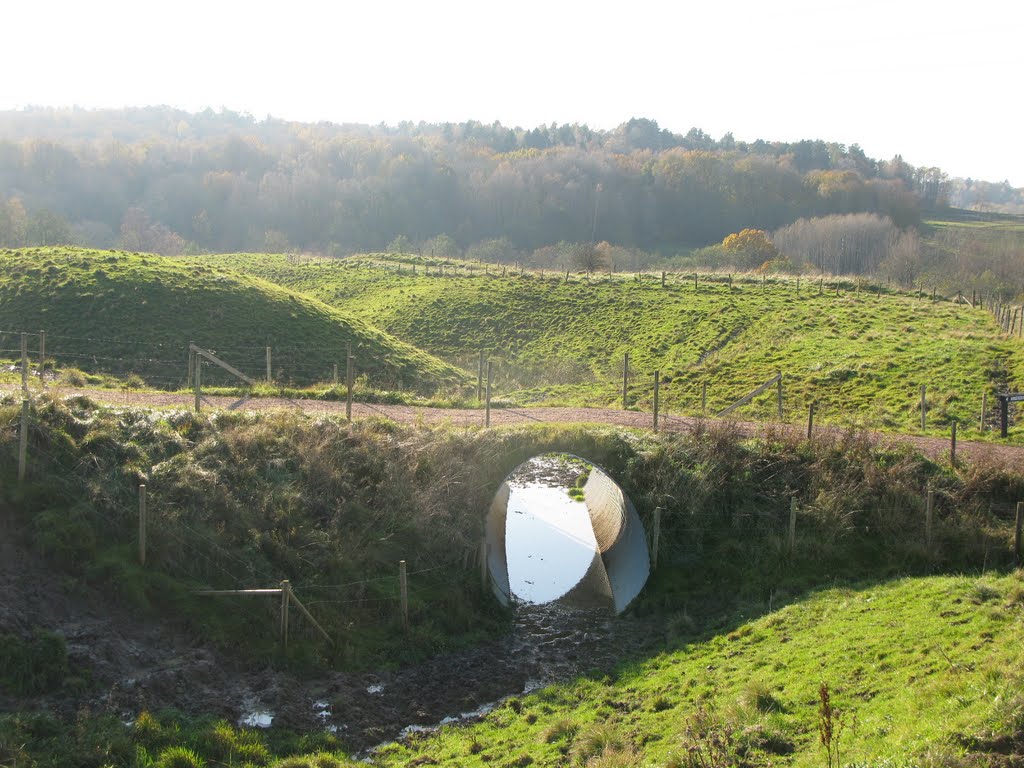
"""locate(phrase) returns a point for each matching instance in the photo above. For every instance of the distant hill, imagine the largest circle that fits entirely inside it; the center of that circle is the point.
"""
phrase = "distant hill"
(136, 313)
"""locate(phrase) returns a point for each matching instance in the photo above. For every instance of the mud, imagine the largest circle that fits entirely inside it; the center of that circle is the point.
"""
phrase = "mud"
(128, 664)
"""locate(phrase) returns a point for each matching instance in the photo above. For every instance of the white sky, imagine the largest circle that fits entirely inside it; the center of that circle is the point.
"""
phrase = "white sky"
(938, 82)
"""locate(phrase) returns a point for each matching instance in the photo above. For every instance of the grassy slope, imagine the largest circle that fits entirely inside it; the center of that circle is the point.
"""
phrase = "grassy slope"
(860, 357)
(137, 313)
(926, 666)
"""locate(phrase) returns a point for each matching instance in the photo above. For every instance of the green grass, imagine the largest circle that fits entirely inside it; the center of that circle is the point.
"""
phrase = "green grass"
(130, 313)
(924, 671)
(860, 356)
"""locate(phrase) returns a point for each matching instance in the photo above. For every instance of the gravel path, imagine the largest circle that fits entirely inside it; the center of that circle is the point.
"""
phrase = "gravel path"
(1011, 456)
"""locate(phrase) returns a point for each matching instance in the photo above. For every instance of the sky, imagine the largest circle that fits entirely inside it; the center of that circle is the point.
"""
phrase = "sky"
(936, 82)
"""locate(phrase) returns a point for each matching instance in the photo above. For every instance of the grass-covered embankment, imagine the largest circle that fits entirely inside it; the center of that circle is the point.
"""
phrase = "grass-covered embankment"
(860, 355)
(246, 500)
(136, 314)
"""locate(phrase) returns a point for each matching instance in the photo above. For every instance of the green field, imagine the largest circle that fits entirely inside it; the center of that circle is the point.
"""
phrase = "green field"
(135, 314)
(861, 354)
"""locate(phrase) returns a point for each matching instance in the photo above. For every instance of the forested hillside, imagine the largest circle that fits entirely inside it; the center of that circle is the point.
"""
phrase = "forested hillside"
(167, 181)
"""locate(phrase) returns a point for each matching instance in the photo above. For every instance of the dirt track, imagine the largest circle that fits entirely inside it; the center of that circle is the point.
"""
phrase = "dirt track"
(1010, 456)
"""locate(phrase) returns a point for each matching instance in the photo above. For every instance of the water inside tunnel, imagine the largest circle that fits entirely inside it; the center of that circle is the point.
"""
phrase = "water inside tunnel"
(560, 529)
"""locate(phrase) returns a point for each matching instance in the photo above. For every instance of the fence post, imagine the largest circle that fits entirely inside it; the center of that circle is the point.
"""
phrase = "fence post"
(42, 358)
(792, 525)
(662, 278)
(24, 362)
(480, 378)
(1017, 531)
(23, 442)
(487, 404)
(625, 380)
(704, 397)
(952, 445)
(142, 525)
(657, 383)
(984, 409)
(349, 366)
(286, 588)
(403, 585)
(779, 395)
(199, 382)
(929, 514)
(924, 406)
(270, 376)
(810, 421)
(695, 281)
(655, 537)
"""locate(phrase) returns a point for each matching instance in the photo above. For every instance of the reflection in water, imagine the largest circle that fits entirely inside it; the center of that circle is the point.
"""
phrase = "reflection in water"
(549, 541)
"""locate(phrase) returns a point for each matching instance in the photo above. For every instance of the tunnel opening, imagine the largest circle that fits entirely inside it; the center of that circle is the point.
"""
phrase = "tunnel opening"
(560, 530)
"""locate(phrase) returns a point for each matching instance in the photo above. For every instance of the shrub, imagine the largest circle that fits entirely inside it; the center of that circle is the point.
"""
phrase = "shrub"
(179, 757)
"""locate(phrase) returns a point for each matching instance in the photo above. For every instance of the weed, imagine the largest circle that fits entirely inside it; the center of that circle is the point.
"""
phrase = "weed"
(179, 757)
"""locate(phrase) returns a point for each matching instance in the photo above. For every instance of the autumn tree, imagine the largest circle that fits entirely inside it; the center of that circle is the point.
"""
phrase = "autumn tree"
(749, 248)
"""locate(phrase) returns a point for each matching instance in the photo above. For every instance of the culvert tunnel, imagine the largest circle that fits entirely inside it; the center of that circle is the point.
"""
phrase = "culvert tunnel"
(561, 530)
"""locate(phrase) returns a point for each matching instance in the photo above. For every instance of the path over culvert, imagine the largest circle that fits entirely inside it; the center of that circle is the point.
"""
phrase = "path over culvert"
(1009, 456)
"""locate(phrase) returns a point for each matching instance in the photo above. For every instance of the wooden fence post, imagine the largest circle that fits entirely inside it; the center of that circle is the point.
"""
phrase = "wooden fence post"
(952, 444)
(984, 409)
(929, 515)
(24, 362)
(625, 380)
(1017, 531)
(349, 383)
(403, 585)
(142, 525)
(695, 281)
(23, 442)
(42, 358)
(286, 588)
(779, 395)
(270, 376)
(792, 525)
(662, 278)
(657, 383)
(487, 404)
(655, 537)
(810, 421)
(924, 406)
(199, 382)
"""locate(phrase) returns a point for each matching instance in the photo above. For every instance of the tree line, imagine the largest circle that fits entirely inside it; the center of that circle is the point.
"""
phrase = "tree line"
(163, 180)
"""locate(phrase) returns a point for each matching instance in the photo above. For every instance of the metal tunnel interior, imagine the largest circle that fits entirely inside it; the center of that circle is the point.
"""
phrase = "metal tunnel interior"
(621, 561)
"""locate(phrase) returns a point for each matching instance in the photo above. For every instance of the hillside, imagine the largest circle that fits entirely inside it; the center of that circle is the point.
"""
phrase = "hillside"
(136, 314)
(860, 353)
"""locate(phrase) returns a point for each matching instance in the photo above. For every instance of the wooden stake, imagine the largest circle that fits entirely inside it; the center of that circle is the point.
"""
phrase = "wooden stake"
(403, 586)
(810, 421)
(655, 537)
(695, 281)
(487, 404)
(792, 525)
(270, 376)
(42, 358)
(23, 442)
(625, 380)
(142, 525)
(349, 383)
(657, 384)
(663, 278)
(24, 362)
